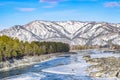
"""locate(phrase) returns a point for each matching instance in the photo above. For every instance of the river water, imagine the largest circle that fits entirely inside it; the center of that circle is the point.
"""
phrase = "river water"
(68, 67)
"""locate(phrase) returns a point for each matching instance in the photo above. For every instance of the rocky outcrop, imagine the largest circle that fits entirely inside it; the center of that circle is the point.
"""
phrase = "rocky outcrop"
(103, 67)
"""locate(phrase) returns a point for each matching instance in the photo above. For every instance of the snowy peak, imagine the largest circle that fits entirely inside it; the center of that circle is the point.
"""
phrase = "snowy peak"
(72, 32)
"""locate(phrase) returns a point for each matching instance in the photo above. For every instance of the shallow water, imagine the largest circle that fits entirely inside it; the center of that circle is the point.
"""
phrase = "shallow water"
(55, 69)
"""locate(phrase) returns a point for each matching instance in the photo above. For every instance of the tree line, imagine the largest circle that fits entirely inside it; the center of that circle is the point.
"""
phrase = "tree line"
(83, 47)
(13, 48)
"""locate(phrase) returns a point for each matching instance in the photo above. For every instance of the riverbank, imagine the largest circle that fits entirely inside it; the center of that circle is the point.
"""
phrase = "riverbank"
(83, 65)
(25, 61)
(106, 65)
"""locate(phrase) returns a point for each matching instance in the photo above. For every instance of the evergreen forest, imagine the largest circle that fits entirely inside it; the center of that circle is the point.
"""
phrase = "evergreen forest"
(13, 48)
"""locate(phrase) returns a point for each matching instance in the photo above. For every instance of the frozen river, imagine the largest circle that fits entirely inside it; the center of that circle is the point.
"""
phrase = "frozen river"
(70, 67)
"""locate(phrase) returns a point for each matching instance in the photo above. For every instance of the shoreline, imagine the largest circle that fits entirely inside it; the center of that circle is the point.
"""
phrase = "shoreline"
(103, 66)
(100, 63)
(29, 60)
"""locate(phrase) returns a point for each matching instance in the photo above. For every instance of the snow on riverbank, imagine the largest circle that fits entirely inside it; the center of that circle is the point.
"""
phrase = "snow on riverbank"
(101, 54)
(107, 65)
(104, 55)
(5, 66)
(105, 79)
(26, 76)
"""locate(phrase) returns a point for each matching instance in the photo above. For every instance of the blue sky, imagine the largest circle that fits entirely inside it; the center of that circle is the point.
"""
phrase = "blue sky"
(20, 12)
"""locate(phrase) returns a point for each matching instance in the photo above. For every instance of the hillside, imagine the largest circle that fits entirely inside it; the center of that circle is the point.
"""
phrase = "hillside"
(72, 32)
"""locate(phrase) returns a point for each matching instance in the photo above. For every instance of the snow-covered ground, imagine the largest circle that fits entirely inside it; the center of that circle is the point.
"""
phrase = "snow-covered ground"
(26, 76)
(104, 55)
(65, 68)
(100, 54)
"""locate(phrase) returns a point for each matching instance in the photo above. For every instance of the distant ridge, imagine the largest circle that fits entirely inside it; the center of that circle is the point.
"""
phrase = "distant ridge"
(72, 32)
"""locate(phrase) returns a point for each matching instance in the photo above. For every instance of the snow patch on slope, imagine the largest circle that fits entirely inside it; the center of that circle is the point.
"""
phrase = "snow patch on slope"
(72, 32)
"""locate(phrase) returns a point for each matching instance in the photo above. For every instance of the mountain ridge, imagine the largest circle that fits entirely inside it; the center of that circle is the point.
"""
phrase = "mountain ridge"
(72, 32)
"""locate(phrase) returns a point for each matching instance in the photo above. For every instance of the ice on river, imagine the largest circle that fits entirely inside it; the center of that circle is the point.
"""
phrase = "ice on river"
(78, 68)
(64, 68)
(74, 68)
(71, 69)
(26, 76)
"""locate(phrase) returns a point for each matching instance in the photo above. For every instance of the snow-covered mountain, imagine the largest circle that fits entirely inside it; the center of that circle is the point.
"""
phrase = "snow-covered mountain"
(72, 32)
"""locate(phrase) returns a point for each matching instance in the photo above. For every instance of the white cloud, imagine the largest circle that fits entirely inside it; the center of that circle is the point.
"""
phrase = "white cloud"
(52, 4)
(112, 4)
(49, 6)
(26, 9)
(51, 1)
(88, 0)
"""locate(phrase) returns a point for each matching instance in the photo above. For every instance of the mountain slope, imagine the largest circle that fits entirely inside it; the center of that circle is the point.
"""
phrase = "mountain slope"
(72, 32)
